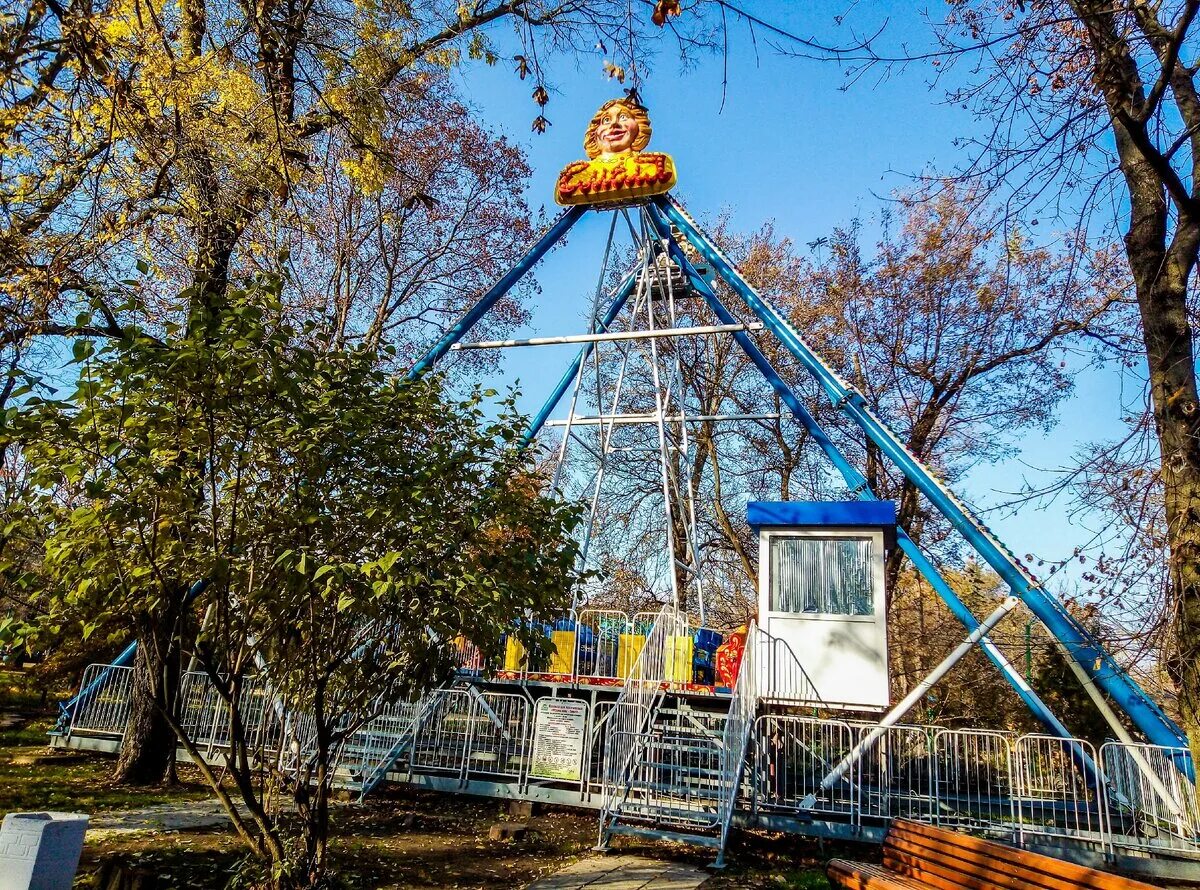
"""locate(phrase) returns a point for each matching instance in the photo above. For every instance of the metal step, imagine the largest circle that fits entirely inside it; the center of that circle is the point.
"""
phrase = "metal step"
(679, 837)
(658, 809)
(675, 790)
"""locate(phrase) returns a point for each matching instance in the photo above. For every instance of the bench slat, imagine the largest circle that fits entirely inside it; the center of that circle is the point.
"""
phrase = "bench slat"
(950, 874)
(991, 869)
(867, 876)
(1044, 871)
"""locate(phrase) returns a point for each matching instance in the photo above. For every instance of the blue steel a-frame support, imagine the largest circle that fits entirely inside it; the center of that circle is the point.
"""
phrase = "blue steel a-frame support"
(1093, 663)
(1097, 664)
(857, 483)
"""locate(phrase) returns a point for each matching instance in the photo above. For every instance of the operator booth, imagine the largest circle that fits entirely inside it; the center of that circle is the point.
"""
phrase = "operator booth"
(821, 600)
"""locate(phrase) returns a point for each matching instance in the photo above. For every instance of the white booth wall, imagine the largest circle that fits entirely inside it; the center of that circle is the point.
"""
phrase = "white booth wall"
(821, 592)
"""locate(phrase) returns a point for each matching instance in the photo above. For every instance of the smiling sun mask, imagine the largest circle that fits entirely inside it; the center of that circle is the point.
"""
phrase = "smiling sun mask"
(618, 170)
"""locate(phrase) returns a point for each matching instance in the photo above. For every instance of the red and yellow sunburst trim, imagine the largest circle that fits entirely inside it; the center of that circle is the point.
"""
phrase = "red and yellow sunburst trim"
(609, 180)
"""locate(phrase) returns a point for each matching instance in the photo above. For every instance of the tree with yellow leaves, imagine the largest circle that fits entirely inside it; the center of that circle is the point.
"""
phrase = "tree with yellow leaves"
(188, 139)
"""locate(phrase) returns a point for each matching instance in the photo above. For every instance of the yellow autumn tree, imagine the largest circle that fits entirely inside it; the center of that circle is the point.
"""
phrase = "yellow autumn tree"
(155, 134)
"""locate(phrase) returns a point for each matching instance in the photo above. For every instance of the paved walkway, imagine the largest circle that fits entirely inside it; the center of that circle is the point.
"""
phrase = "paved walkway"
(615, 872)
(166, 817)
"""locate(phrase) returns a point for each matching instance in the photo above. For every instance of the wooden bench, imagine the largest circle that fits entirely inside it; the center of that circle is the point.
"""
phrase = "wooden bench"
(922, 856)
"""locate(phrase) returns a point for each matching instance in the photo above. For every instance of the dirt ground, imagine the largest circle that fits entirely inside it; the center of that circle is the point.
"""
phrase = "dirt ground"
(405, 839)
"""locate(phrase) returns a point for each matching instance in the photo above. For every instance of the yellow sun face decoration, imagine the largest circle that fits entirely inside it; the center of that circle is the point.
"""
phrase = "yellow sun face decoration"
(618, 170)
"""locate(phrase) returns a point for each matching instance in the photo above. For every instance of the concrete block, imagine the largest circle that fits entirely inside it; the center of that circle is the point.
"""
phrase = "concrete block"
(501, 831)
(40, 851)
(521, 809)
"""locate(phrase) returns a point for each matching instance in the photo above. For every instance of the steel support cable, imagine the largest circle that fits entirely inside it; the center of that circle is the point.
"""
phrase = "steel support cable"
(620, 298)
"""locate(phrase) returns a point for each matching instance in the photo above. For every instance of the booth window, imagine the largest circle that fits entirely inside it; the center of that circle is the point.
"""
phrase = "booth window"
(821, 576)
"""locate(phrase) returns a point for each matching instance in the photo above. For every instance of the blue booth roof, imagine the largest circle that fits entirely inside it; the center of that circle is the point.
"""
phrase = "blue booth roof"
(878, 514)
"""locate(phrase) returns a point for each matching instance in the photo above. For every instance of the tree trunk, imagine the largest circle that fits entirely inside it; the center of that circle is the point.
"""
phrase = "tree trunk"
(148, 749)
(1171, 363)
(1161, 267)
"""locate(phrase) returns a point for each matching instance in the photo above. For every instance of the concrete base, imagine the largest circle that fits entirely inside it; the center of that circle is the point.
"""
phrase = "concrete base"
(40, 851)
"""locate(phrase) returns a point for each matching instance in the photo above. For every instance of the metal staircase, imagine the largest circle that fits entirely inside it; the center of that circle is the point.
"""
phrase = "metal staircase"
(383, 743)
(675, 775)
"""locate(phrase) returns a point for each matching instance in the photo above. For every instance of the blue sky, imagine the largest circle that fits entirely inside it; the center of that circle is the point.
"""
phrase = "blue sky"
(838, 149)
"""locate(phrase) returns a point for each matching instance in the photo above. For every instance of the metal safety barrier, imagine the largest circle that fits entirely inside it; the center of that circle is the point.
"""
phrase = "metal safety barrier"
(793, 757)
(896, 777)
(973, 780)
(1153, 807)
(1060, 791)
(102, 706)
(682, 767)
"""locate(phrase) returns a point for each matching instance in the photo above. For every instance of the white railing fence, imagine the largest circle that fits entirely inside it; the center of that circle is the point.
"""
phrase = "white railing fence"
(1131, 797)
(973, 783)
(1059, 788)
(780, 676)
(599, 635)
(896, 775)
(739, 726)
(794, 755)
(102, 706)
(630, 719)
(1154, 806)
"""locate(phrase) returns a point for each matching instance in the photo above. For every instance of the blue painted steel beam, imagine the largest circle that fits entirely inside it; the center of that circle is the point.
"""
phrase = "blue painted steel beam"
(857, 483)
(1080, 645)
(558, 228)
(568, 378)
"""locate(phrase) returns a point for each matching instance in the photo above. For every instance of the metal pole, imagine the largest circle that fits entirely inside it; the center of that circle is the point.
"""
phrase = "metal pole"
(558, 228)
(604, 338)
(896, 714)
(651, 418)
(1091, 664)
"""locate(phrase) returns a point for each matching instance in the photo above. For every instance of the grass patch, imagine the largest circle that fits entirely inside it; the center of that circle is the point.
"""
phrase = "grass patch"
(19, 691)
(29, 781)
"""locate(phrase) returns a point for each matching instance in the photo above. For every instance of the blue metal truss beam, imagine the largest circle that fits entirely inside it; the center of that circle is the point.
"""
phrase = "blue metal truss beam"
(561, 225)
(1097, 665)
(857, 483)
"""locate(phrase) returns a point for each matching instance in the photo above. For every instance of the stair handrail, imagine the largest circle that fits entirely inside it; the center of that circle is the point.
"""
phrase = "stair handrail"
(739, 724)
(404, 739)
(779, 670)
(633, 710)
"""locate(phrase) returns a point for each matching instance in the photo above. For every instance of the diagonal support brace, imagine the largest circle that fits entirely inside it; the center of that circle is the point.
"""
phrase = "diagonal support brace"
(1090, 662)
